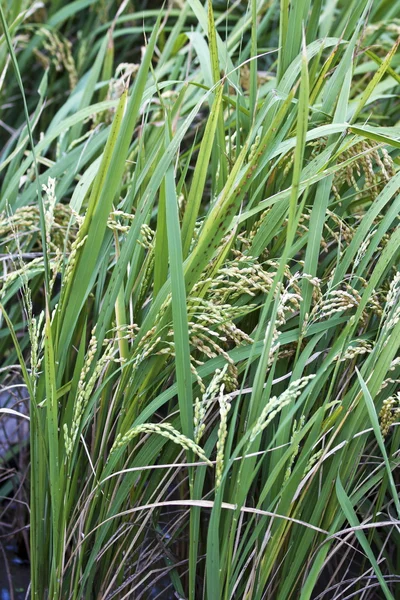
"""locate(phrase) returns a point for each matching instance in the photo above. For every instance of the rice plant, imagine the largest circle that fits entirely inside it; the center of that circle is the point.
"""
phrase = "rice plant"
(200, 294)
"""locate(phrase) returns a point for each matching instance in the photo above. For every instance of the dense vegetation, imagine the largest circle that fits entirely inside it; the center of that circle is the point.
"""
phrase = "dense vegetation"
(200, 290)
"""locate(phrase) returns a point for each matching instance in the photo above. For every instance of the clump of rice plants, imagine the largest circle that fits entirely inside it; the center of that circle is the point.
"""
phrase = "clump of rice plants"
(200, 294)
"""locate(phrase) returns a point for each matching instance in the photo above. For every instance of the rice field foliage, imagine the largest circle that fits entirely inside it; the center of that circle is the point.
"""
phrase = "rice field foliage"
(200, 290)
